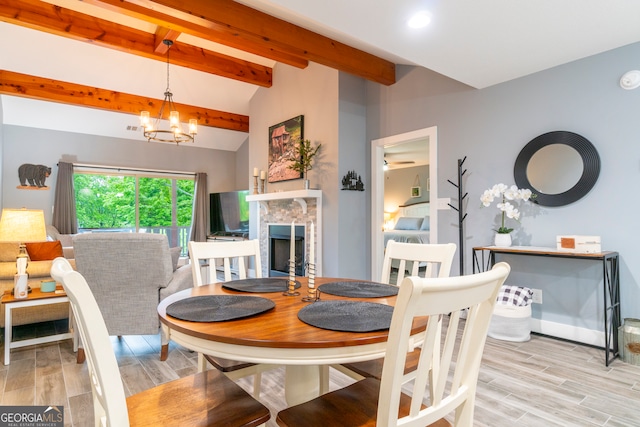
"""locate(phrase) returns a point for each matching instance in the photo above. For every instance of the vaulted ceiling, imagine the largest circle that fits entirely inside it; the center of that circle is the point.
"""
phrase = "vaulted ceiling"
(108, 54)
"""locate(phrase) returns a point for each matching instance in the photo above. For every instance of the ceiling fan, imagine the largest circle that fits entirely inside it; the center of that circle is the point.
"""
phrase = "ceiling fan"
(397, 163)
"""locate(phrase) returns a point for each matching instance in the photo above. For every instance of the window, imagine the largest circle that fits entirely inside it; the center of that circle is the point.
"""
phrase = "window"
(134, 202)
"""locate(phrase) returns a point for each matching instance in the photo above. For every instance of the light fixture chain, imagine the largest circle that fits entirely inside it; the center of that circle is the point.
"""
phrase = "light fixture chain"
(154, 133)
(168, 51)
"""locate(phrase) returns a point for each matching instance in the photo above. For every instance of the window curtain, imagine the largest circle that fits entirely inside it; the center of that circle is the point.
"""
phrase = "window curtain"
(199, 219)
(64, 203)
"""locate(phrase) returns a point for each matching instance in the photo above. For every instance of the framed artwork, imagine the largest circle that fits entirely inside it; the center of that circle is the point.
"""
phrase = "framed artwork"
(415, 191)
(283, 137)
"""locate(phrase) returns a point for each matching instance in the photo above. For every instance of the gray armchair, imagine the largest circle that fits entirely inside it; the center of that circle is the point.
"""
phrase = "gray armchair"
(129, 274)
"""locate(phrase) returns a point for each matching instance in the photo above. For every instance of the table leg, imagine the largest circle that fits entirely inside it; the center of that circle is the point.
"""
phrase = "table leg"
(302, 383)
(8, 332)
(202, 363)
(324, 379)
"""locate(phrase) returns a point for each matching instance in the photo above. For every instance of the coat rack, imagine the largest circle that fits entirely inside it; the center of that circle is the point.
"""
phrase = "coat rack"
(461, 215)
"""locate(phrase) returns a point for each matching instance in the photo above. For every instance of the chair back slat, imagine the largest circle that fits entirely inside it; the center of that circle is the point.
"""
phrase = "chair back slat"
(226, 251)
(109, 401)
(441, 300)
(437, 258)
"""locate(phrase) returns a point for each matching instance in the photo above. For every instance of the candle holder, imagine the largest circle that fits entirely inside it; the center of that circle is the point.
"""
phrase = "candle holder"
(312, 292)
(291, 283)
(262, 185)
(255, 185)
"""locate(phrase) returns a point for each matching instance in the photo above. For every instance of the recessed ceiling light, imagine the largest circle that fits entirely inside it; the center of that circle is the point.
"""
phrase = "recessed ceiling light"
(419, 19)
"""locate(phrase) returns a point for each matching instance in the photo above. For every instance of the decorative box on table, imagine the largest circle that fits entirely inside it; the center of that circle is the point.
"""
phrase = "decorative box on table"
(579, 244)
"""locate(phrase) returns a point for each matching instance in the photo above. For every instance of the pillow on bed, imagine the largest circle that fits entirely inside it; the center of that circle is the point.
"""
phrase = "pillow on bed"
(408, 223)
(425, 224)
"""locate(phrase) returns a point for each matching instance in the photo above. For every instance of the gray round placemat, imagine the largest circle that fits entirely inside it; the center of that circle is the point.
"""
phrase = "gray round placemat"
(347, 316)
(218, 308)
(261, 285)
(358, 289)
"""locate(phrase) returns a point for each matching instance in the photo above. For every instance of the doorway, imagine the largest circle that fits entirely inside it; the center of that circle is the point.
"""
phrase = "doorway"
(430, 136)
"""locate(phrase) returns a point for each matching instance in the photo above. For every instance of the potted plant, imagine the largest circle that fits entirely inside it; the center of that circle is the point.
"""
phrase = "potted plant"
(302, 159)
(507, 197)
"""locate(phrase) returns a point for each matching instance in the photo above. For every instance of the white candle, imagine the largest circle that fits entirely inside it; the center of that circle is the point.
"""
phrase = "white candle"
(312, 256)
(292, 252)
(255, 171)
(263, 175)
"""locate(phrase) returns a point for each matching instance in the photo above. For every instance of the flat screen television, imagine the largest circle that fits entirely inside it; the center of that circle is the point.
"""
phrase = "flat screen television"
(229, 212)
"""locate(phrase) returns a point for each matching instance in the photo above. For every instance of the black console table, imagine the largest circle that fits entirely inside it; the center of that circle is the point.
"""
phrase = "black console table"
(485, 256)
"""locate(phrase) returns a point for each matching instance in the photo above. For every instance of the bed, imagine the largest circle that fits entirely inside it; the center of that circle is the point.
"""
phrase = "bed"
(413, 234)
(412, 225)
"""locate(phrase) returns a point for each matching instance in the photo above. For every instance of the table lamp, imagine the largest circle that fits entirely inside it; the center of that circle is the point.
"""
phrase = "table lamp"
(22, 226)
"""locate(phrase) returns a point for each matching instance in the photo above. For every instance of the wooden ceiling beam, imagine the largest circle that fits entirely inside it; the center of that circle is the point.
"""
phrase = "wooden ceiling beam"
(233, 24)
(67, 23)
(44, 89)
(161, 35)
(207, 30)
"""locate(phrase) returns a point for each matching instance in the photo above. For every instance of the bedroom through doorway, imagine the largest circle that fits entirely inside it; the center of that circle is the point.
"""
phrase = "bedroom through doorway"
(404, 172)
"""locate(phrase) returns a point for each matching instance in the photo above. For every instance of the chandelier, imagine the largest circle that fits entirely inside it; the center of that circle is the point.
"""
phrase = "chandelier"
(175, 133)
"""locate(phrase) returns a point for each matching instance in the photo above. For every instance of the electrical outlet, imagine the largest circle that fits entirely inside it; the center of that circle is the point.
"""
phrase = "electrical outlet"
(537, 296)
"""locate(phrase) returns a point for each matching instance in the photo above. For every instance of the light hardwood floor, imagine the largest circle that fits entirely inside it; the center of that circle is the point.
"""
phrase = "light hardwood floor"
(543, 382)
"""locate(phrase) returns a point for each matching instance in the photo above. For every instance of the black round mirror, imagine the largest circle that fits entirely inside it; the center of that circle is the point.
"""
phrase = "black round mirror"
(560, 167)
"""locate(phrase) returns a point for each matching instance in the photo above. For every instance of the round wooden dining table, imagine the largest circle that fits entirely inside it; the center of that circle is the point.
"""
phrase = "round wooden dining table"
(278, 337)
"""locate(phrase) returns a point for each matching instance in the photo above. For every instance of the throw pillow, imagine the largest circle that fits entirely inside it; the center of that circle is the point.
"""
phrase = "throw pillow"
(408, 223)
(175, 256)
(44, 251)
(425, 224)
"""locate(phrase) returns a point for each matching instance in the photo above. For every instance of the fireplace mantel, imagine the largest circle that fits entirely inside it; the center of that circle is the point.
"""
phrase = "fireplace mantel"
(296, 195)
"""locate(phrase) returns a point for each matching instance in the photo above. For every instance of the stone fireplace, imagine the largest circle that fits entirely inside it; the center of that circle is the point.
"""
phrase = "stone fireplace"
(279, 210)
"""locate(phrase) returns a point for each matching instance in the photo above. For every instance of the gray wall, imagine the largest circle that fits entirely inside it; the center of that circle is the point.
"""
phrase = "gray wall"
(492, 125)
(353, 250)
(29, 145)
(242, 166)
(312, 92)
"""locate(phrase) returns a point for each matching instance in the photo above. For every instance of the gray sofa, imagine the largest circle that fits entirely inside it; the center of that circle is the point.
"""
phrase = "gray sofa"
(129, 274)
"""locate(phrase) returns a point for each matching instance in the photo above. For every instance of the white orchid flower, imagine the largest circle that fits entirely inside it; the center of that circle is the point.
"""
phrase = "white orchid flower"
(506, 195)
(487, 198)
(499, 189)
(511, 193)
(525, 194)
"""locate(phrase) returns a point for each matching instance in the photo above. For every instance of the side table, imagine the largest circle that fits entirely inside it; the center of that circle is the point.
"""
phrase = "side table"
(610, 262)
(35, 298)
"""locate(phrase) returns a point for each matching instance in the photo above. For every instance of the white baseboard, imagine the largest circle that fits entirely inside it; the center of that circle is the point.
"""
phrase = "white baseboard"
(568, 332)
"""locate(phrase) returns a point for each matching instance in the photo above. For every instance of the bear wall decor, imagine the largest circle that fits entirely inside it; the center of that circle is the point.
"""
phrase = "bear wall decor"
(35, 175)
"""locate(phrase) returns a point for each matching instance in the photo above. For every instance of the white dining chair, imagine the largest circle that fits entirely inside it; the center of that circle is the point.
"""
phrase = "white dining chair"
(381, 402)
(425, 260)
(229, 253)
(207, 398)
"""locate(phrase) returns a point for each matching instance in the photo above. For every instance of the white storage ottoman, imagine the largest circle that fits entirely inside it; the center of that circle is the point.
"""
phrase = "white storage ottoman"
(511, 320)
